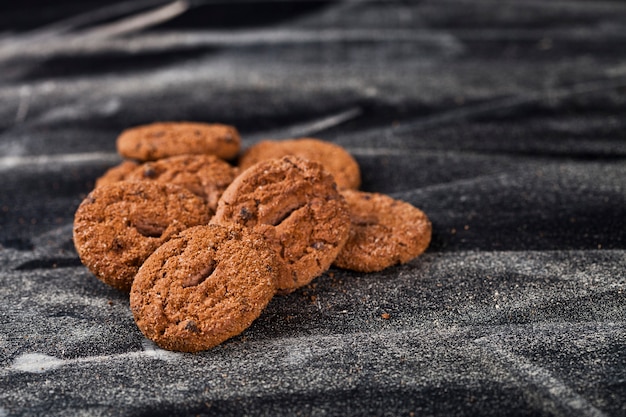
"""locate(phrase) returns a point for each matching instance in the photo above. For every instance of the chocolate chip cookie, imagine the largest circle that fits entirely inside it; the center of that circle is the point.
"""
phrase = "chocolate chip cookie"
(160, 140)
(295, 205)
(203, 287)
(383, 232)
(118, 225)
(334, 158)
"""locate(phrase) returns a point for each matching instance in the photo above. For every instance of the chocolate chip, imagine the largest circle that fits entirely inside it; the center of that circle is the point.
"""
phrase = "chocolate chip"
(149, 172)
(245, 214)
(117, 245)
(192, 326)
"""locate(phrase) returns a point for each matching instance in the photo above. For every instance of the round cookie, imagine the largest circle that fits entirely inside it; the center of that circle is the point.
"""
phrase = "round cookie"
(117, 173)
(295, 205)
(206, 176)
(203, 286)
(118, 225)
(334, 158)
(384, 231)
(160, 140)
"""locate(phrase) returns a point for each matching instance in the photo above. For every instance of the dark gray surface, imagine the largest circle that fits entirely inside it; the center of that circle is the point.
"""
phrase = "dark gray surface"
(505, 121)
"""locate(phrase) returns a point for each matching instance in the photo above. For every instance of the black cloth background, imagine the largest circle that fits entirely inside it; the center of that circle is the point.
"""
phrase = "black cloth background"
(505, 121)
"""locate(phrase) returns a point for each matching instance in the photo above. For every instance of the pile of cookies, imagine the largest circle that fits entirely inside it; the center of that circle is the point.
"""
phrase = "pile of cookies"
(203, 236)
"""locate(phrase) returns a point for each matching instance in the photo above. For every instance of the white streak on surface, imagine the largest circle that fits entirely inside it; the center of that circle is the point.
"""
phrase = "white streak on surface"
(23, 105)
(78, 44)
(546, 384)
(312, 127)
(53, 161)
(150, 349)
(80, 111)
(139, 21)
(36, 363)
(297, 356)
(40, 363)
(491, 107)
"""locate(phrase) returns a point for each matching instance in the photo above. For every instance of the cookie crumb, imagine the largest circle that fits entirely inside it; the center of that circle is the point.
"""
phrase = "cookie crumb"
(385, 316)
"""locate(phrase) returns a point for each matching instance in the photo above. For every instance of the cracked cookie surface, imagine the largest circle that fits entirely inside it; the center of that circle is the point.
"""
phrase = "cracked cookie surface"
(295, 205)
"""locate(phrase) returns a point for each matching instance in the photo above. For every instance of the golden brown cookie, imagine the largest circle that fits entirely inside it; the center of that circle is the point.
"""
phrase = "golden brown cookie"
(160, 140)
(334, 158)
(118, 225)
(295, 205)
(203, 287)
(206, 176)
(384, 231)
(117, 173)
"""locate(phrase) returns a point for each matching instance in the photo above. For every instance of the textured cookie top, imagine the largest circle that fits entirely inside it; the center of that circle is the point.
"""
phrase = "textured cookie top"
(118, 225)
(206, 176)
(295, 205)
(160, 140)
(384, 231)
(203, 286)
(333, 157)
